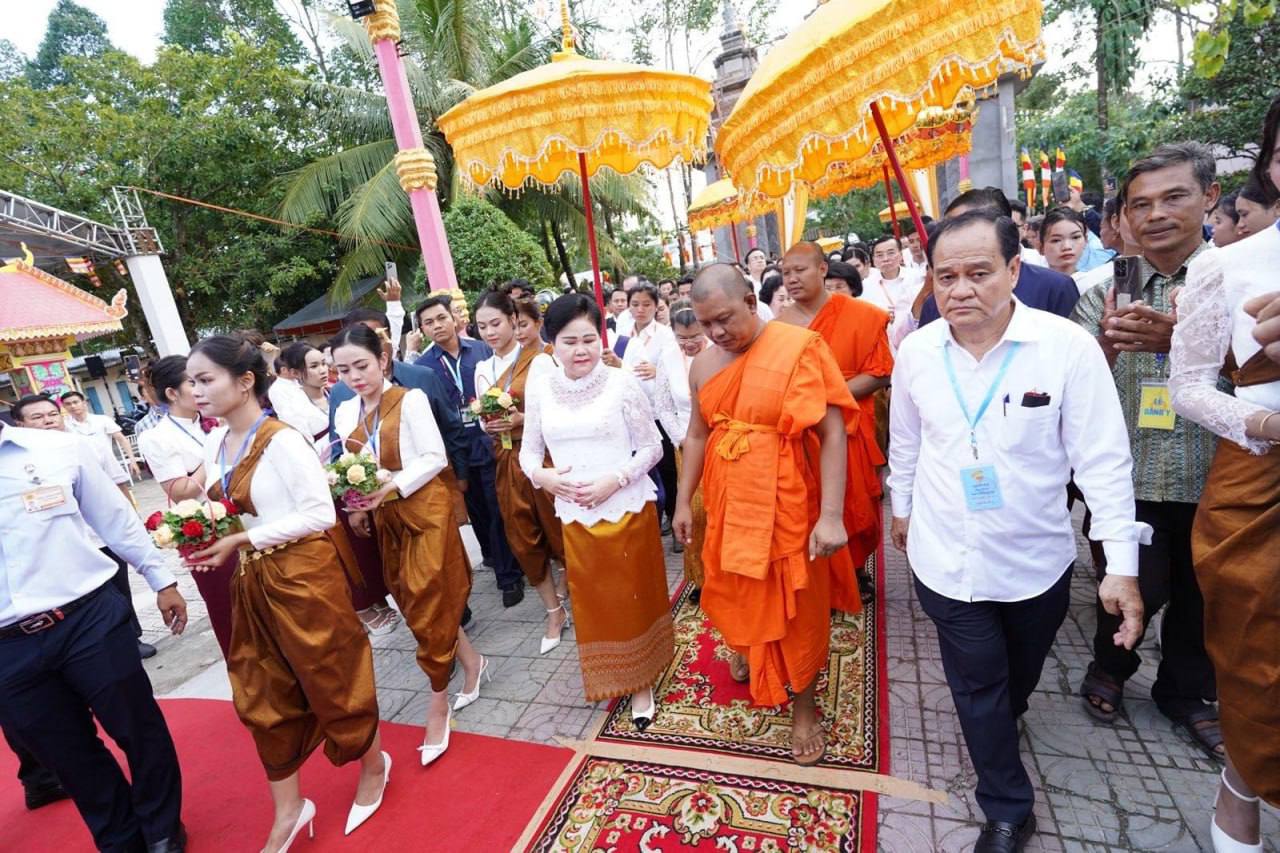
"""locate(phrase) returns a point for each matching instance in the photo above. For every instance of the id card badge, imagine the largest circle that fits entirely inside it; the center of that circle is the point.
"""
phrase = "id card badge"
(468, 416)
(981, 488)
(43, 498)
(1155, 411)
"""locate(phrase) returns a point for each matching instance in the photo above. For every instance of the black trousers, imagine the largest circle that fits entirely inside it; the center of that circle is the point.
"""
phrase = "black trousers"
(1184, 680)
(121, 582)
(667, 475)
(481, 498)
(33, 775)
(992, 655)
(55, 683)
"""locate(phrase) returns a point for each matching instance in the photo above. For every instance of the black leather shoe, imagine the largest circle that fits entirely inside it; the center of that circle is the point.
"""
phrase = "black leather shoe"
(146, 650)
(666, 527)
(466, 616)
(176, 843)
(695, 597)
(512, 597)
(677, 547)
(40, 797)
(1001, 837)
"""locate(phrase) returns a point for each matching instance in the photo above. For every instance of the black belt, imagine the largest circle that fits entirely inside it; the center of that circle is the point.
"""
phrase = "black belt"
(38, 622)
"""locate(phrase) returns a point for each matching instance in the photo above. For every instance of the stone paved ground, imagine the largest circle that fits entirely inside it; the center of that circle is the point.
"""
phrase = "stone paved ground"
(1137, 786)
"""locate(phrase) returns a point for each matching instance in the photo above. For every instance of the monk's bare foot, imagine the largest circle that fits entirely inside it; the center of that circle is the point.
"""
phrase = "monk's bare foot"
(739, 671)
(808, 741)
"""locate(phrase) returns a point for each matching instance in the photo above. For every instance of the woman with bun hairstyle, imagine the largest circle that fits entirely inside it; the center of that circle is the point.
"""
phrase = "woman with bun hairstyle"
(528, 514)
(412, 514)
(174, 452)
(300, 665)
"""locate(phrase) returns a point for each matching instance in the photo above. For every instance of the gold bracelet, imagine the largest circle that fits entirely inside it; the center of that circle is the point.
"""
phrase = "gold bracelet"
(1262, 427)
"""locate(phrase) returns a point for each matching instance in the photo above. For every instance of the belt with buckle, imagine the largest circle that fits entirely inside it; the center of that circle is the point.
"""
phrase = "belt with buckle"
(38, 622)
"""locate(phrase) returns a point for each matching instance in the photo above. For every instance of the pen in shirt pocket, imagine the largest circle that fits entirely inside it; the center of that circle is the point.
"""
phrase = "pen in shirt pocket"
(1006, 405)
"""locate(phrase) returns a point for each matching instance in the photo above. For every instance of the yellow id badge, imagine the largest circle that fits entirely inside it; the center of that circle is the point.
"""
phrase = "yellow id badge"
(1155, 411)
(44, 498)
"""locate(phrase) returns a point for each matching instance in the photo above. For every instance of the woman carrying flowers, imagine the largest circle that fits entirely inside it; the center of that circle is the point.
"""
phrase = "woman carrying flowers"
(300, 664)
(423, 558)
(528, 514)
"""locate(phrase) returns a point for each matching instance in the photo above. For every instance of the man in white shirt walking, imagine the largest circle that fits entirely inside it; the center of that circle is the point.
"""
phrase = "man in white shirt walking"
(992, 410)
(101, 427)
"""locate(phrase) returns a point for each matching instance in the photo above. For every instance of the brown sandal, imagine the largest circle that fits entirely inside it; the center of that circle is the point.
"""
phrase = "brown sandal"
(1205, 731)
(1102, 687)
(821, 753)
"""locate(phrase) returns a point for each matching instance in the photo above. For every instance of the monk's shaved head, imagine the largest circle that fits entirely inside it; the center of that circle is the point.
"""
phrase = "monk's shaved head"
(804, 272)
(811, 248)
(719, 278)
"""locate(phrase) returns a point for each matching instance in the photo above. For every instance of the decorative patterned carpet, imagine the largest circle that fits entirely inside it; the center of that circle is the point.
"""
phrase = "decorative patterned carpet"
(732, 790)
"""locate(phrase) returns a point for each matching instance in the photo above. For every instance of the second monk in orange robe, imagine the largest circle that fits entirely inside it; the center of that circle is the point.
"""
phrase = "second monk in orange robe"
(767, 436)
(855, 331)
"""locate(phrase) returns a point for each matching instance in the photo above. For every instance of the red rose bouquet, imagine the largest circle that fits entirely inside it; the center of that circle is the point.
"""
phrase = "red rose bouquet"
(190, 526)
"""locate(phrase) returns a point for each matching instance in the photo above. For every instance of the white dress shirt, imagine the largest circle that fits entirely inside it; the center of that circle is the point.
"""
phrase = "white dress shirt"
(422, 454)
(173, 448)
(107, 460)
(1019, 550)
(624, 324)
(93, 424)
(289, 489)
(657, 345)
(294, 407)
(46, 557)
(895, 296)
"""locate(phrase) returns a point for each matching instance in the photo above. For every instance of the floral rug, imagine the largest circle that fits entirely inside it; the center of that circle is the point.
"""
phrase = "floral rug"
(630, 805)
(701, 708)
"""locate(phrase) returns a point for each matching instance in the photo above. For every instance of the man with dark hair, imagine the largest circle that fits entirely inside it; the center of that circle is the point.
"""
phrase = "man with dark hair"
(667, 287)
(454, 359)
(992, 410)
(98, 427)
(684, 286)
(894, 287)
(517, 288)
(1166, 196)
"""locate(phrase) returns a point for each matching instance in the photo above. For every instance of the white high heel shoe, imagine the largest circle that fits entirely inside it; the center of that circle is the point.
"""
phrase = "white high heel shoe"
(643, 719)
(359, 814)
(549, 643)
(432, 751)
(464, 699)
(1223, 843)
(306, 818)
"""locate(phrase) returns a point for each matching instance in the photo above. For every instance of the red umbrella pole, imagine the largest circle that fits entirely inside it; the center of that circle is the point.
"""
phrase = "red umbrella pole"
(902, 179)
(733, 232)
(893, 209)
(591, 244)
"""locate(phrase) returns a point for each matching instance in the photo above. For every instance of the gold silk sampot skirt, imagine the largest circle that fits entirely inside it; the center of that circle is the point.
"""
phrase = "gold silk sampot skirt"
(528, 515)
(622, 615)
(425, 565)
(693, 572)
(1235, 544)
(300, 664)
(880, 400)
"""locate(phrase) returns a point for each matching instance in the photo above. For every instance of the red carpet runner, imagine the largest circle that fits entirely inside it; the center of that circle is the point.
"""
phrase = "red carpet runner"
(478, 797)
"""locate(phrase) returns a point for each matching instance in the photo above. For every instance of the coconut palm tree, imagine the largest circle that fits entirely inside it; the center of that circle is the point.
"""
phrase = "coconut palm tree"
(456, 48)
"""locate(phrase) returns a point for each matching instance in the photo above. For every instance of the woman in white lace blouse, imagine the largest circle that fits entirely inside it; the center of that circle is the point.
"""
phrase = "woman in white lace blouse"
(1236, 536)
(598, 425)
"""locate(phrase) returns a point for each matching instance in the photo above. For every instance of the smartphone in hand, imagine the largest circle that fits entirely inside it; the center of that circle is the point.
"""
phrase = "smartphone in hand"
(1127, 277)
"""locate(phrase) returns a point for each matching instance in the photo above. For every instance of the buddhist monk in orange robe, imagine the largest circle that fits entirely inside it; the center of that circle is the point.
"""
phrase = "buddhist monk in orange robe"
(856, 332)
(767, 438)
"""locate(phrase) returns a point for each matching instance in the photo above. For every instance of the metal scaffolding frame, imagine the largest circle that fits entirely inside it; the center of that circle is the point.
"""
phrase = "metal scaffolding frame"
(24, 216)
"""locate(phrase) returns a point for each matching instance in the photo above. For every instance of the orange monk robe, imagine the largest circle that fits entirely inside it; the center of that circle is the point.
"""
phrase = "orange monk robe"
(761, 486)
(856, 332)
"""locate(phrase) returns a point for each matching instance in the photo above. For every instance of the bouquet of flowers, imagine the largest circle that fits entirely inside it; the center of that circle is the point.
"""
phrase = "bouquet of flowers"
(354, 477)
(493, 404)
(191, 525)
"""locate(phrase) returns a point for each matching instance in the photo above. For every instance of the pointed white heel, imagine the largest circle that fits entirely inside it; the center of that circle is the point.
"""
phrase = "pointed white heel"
(306, 818)
(432, 751)
(464, 699)
(549, 643)
(643, 718)
(1223, 843)
(359, 814)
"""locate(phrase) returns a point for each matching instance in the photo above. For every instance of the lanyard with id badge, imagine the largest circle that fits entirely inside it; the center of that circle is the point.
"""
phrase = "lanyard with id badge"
(455, 373)
(1155, 409)
(980, 484)
(41, 498)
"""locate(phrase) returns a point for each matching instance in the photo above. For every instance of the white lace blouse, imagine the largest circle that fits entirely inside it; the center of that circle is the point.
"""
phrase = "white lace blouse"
(601, 425)
(1211, 323)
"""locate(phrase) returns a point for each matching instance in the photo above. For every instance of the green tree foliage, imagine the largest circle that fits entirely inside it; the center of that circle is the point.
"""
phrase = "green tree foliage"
(488, 248)
(643, 256)
(1226, 31)
(213, 26)
(12, 63)
(1227, 111)
(857, 212)
(72, 31)
(209, 127)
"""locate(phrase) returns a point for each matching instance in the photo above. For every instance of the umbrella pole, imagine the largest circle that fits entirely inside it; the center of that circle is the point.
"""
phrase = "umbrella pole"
(733, 233)
(902, 179)
(591, 245)
(893, 210)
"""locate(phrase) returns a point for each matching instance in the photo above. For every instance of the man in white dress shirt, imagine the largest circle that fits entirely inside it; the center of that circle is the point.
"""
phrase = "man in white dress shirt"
(68, 656)
(992, 410)
(895, 287)
(100, 427)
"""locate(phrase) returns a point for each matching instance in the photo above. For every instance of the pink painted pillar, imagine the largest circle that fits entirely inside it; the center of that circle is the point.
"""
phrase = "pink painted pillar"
(426, 207)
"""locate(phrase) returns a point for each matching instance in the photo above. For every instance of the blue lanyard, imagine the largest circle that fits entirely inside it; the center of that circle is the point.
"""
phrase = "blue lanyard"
(183, 429)
(455, 371)
(244, 446)
(973, 420)
(372, 432)
(511, 374)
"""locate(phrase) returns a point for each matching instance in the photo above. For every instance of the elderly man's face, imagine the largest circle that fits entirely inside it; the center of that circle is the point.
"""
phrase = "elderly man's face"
(1166, 208)
(972, 282)
(729, 320)
(888, 259)
(42, 415)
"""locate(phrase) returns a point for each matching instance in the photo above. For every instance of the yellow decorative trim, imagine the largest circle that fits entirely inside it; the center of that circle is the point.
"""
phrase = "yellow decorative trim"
(416, 169)
(384, 23)
(27, 258)
(113, 313)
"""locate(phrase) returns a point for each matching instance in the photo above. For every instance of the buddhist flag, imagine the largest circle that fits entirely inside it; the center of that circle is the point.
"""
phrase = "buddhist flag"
(1046, 180)
(80, 266)
(1028, 178)
(1074, 180)
(1060, 160)
(121, 269)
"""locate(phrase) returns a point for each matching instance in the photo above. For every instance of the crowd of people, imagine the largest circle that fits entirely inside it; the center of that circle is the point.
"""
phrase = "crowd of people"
(1121, 353)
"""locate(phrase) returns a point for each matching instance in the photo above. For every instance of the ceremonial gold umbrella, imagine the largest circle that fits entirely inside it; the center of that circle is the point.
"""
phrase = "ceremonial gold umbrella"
(577, 114)
(719, 205)
(858, 71)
